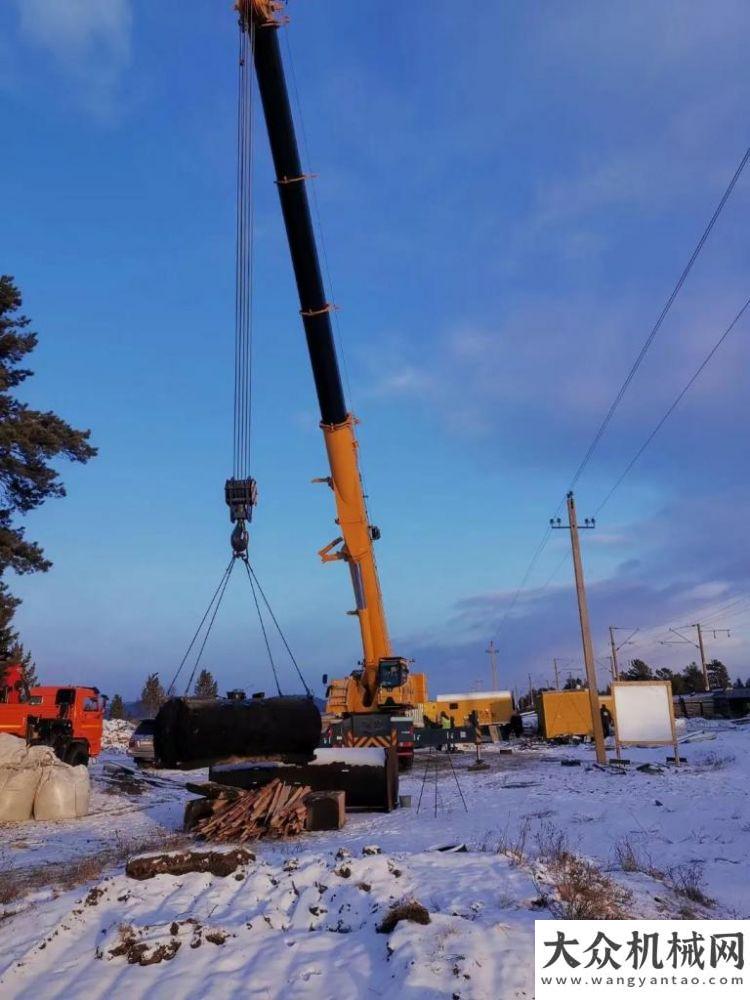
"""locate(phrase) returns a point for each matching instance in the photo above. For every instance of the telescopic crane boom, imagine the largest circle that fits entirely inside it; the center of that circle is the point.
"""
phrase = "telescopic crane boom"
(384, 677)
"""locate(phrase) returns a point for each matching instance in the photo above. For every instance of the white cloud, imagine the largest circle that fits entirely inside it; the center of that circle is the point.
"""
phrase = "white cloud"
(90, 40)
(403, 381)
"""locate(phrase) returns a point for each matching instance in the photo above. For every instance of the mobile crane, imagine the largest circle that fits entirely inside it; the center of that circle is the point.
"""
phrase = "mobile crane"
(384, 684)
(366, 701)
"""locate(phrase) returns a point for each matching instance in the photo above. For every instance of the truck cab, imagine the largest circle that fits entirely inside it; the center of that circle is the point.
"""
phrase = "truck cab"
(68, 719)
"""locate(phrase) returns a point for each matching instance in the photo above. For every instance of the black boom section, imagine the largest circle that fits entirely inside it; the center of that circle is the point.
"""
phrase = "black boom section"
(296, 211)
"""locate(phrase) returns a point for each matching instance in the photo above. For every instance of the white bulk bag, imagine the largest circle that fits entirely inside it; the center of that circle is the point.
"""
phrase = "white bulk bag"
(18, 787)
(12, 749)
(63, 793)
(40, 756)
(83, 789)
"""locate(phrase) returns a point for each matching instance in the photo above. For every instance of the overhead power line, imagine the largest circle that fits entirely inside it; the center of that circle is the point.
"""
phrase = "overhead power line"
(673, 406)
(537, 552)
(657, 325)
(626, 383)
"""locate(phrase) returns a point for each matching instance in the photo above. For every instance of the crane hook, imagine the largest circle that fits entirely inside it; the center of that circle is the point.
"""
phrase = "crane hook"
(240, 540)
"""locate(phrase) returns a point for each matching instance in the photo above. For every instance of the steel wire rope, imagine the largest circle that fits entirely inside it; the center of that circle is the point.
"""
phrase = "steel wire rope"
(253, 576)
(210, 626)
(224, 575)
(244, 255)
(263, 629)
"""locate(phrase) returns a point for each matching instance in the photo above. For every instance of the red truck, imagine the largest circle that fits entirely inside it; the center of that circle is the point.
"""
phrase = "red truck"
(68, 719)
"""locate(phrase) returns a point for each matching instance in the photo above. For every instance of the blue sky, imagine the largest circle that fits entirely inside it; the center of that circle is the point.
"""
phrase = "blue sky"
(507, 199)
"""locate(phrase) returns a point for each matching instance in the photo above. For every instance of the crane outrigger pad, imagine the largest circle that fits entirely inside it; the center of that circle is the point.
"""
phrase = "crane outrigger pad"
(368, 777)
(196, 732)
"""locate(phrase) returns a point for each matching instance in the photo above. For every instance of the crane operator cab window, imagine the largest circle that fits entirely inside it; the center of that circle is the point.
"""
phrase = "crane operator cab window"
(392, 672)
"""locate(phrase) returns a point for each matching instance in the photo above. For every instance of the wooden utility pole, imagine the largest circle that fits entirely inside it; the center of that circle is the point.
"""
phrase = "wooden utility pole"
(698, 645)
(583, 614)
(557, 674)
(703, 655)
(615, 665)
(492, 651)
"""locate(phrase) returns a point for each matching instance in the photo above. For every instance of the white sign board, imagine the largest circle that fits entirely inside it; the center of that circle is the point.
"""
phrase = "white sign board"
(643, 712)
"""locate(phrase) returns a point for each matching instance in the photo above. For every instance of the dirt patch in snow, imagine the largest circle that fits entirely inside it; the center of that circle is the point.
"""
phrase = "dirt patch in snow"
(408, 910)
(221, 863)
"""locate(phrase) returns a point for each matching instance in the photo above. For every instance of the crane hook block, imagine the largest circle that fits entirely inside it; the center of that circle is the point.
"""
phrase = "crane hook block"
(241, 496)
(240, 539)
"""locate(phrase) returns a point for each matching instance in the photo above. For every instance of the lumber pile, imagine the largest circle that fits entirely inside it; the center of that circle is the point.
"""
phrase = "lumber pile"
(277, 810)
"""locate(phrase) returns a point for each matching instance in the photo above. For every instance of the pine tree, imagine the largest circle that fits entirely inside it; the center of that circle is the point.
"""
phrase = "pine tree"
(29, 440)
(206, 686)
(718, 675)
(676, 680)
(638, 670)
(11, 649)
(693, 676)
(28, 667)
(153, 695)
(116, 707)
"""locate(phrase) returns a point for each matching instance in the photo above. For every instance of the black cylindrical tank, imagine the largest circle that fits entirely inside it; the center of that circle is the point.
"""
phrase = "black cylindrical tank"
(196, 731)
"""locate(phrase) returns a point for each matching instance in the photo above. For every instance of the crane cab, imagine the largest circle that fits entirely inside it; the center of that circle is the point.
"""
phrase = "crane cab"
(393, 672)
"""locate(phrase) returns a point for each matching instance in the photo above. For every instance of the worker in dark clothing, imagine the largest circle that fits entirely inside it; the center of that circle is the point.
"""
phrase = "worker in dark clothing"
(516, 725)
(606, 720)
(474, 723)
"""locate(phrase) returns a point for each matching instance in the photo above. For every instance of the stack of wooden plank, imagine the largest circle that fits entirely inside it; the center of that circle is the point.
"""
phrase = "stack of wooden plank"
(276, 810)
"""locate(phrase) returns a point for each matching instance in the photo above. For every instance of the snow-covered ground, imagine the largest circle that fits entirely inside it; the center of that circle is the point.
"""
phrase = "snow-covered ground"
(301, 920)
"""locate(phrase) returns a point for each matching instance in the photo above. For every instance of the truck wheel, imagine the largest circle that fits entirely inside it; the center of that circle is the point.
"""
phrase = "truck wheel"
(76, 755)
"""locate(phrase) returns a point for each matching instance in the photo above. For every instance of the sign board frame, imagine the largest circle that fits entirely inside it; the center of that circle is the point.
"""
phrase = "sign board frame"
(645, 743)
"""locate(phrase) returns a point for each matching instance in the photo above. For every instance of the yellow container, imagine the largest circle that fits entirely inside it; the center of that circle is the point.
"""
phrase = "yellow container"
(567, 713)
(492, 707)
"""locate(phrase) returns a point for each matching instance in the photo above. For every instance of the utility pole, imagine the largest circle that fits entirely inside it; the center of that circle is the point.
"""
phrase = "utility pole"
(698, 645)
(616, 648)
(492, 651)
(531, 694)
(557, 674)
(703, 655)
(615, 665)
(583, 614)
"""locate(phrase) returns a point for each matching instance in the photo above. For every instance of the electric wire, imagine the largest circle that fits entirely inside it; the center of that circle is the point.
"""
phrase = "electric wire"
(662, 316)
(673, 406)
(624, 387)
